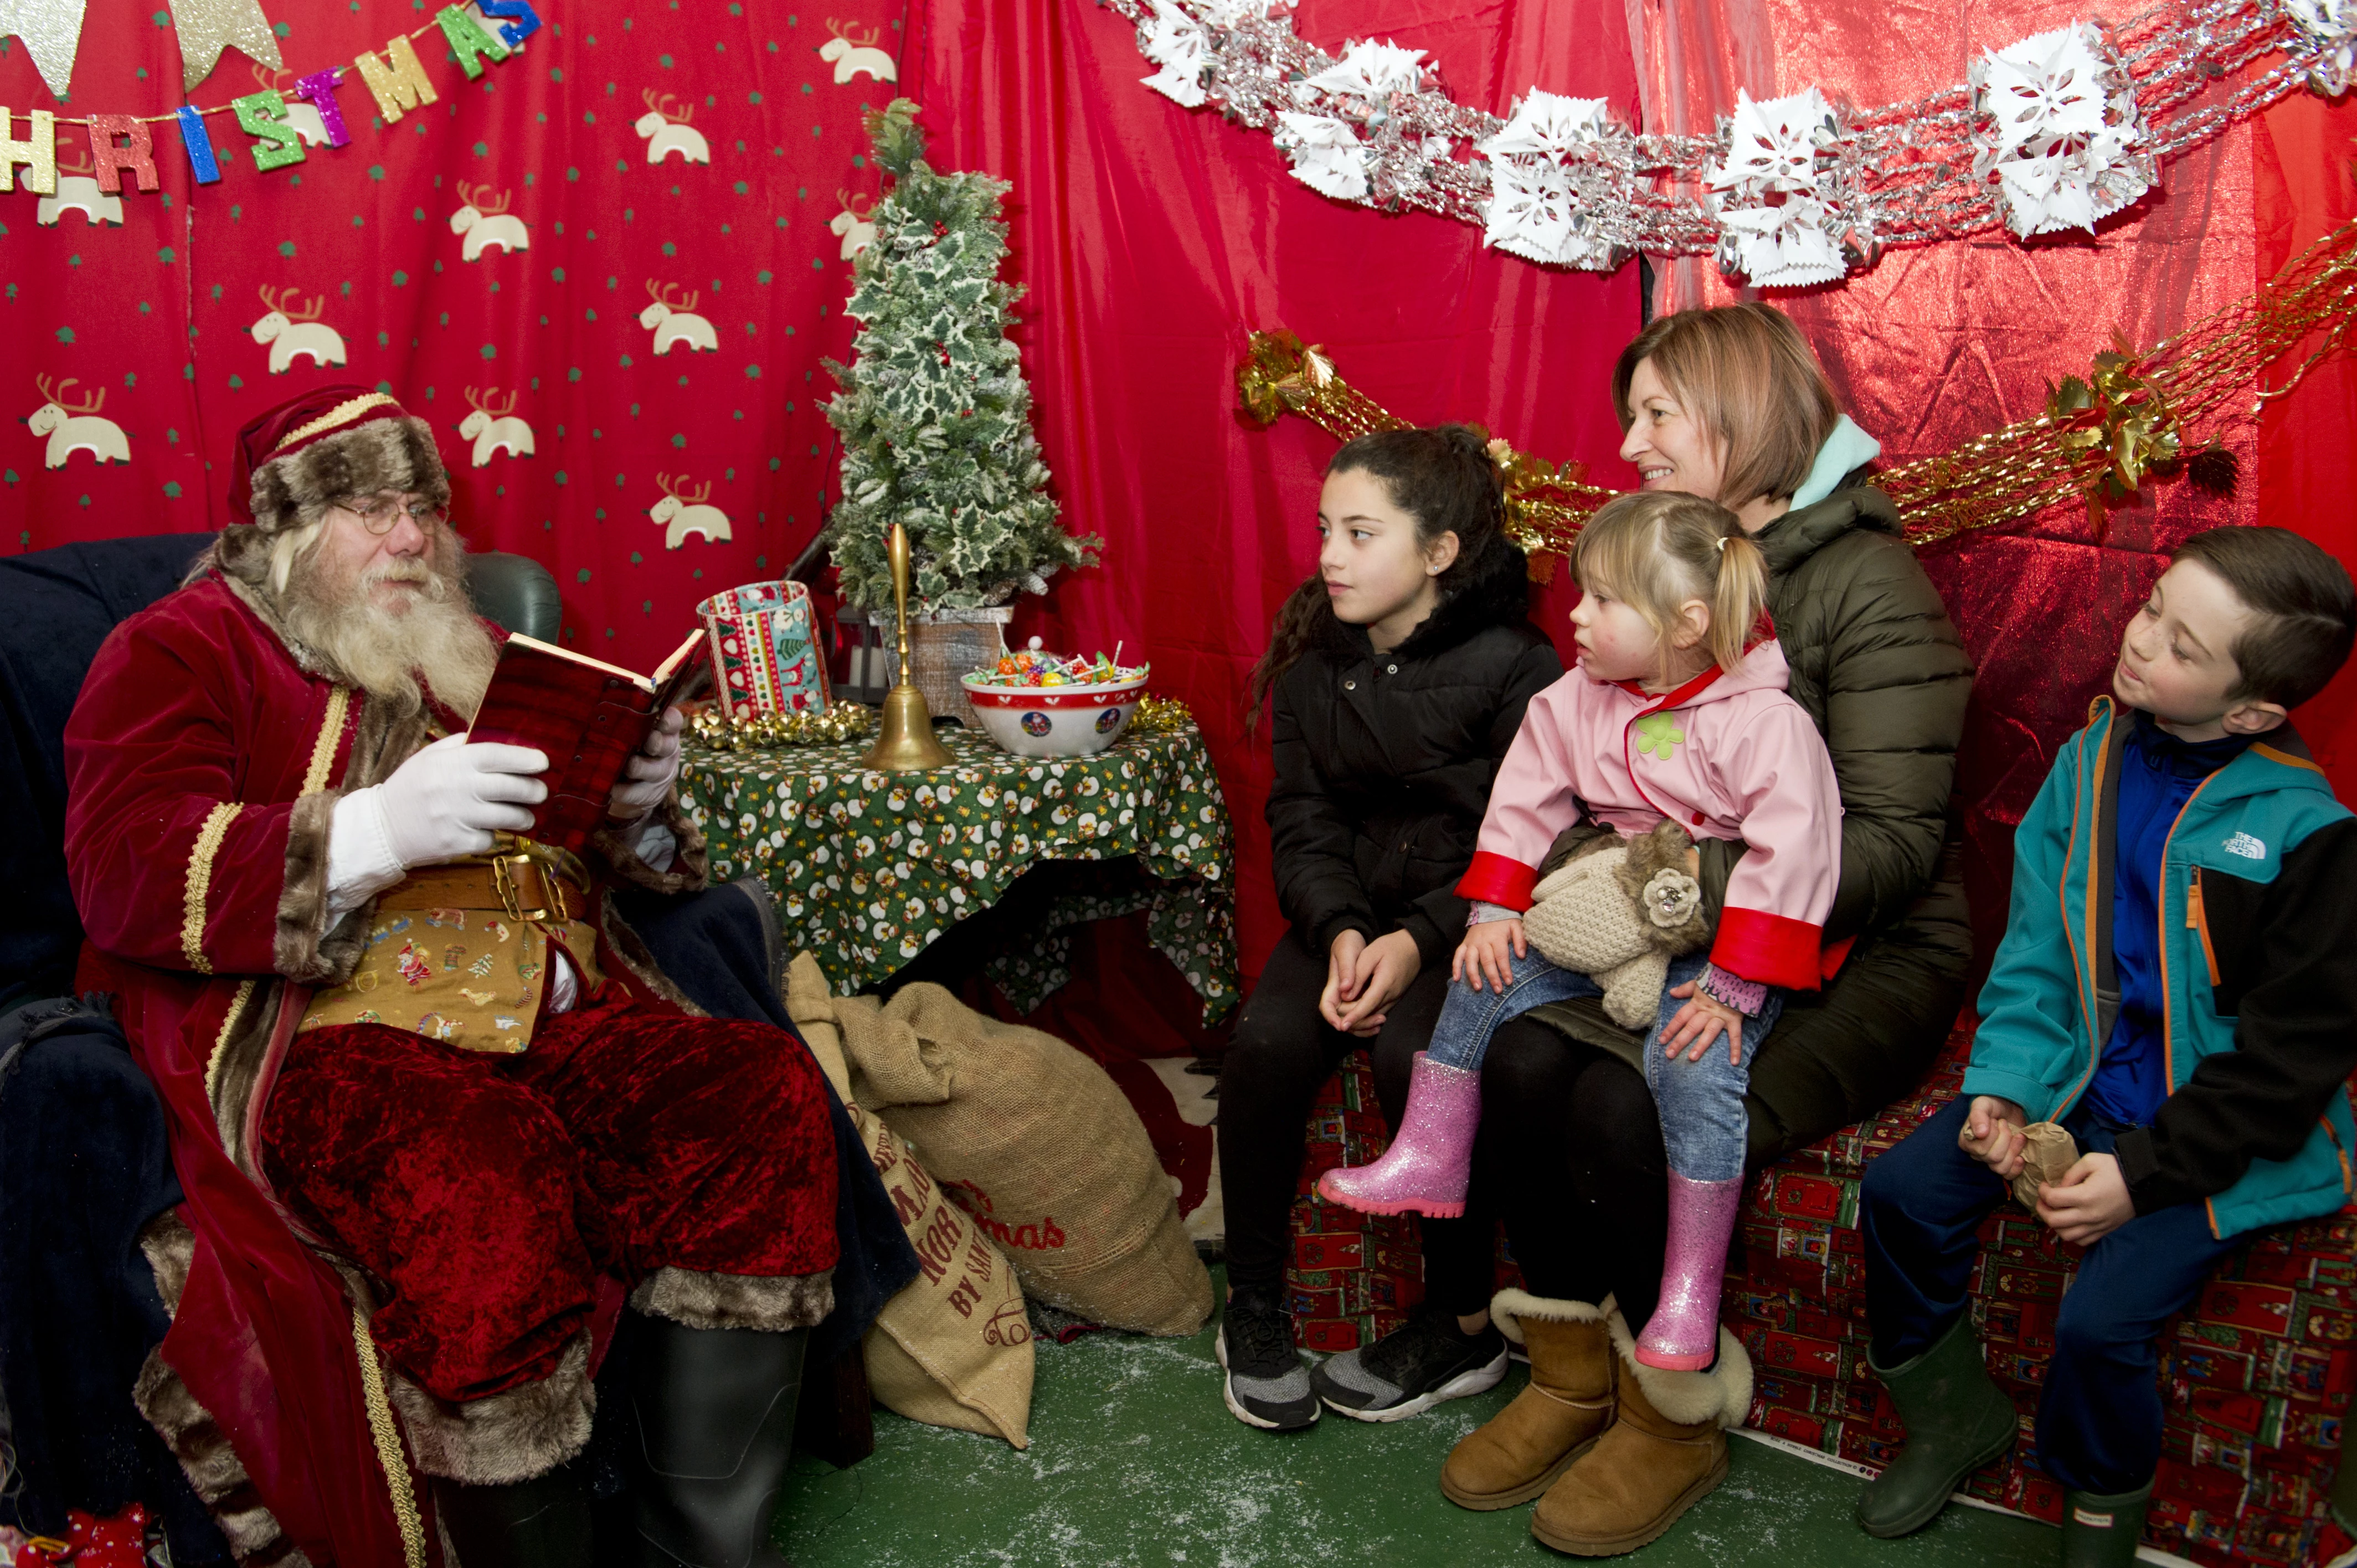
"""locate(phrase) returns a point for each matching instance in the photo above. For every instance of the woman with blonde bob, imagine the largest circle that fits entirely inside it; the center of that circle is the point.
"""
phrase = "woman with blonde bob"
(1729, 404)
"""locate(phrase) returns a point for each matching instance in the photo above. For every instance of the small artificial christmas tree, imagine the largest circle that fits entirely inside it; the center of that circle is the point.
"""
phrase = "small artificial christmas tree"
(934, 415)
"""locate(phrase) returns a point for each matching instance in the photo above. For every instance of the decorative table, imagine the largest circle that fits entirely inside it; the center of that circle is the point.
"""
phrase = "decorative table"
(870, 868)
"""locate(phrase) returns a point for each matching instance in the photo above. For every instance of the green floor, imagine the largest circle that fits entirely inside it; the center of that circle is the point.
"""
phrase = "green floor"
(1134, 1460)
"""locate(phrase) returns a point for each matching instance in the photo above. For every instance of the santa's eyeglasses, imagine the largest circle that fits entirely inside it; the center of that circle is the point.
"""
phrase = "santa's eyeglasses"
(379, 513)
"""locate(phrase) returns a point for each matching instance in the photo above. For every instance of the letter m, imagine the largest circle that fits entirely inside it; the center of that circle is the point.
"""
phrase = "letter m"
(398, 80)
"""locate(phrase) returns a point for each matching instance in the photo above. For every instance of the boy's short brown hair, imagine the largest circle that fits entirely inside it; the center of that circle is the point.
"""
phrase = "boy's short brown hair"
(2307, 610)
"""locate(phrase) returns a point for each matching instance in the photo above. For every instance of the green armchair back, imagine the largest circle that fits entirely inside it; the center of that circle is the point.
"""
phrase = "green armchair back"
(516, 591)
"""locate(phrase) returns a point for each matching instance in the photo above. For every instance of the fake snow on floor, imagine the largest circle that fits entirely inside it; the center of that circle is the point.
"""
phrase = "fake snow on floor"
(1135, 1463)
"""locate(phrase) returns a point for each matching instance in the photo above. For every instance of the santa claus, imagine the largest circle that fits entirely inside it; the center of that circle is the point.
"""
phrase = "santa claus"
(439, 1119)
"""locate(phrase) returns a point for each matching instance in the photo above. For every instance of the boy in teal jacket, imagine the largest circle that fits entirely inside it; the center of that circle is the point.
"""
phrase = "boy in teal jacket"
(2177, 988)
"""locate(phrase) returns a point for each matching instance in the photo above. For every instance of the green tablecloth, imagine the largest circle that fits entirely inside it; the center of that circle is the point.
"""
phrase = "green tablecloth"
(869, 869)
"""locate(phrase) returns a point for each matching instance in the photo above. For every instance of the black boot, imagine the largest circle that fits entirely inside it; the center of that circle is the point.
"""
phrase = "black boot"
(715, 1418)
(540, 1523)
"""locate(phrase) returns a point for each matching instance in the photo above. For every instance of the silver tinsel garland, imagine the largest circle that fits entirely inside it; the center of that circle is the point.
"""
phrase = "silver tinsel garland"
(2054, 132)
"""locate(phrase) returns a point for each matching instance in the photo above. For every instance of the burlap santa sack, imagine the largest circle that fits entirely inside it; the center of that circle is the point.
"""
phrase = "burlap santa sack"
(954, 1349)
(1036, 1143)
(1617, 911)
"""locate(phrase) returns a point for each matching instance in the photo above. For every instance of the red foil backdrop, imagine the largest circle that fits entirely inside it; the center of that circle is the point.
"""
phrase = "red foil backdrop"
(1152, 238)
(1935, 344)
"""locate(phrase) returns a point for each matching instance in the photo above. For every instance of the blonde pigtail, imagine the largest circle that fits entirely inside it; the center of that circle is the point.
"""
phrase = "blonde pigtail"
(1738, 599)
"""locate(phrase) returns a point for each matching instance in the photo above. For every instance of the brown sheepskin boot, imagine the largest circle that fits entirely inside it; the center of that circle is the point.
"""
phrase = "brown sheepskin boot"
(1556, 1418)
(1664, 1451)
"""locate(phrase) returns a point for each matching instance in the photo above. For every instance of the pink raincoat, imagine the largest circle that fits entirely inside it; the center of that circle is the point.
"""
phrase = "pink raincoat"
(1726, 756)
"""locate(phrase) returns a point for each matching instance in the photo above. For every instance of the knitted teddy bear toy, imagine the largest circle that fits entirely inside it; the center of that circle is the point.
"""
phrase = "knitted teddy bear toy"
(1618, 911)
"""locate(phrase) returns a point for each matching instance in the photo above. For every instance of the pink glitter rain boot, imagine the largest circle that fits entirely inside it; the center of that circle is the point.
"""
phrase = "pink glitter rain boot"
(1682, 1334)
(1426, 1168)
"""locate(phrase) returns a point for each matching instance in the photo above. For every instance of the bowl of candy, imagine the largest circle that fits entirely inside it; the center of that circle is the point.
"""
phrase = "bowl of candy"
(1046, 704)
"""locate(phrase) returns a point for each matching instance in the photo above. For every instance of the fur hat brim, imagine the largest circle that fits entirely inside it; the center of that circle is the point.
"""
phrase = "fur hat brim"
(395, 454)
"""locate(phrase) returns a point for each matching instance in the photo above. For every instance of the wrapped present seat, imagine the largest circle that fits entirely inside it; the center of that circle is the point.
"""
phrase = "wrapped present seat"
(2257, 1379)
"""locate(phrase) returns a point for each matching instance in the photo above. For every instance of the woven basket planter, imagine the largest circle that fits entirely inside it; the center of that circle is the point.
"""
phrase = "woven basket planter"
(945, 645)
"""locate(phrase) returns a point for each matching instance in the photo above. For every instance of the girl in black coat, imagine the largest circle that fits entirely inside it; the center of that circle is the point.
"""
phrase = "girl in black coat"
(1399, 673)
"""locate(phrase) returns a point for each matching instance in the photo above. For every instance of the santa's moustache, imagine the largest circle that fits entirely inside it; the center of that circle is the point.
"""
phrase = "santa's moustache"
(383, 651)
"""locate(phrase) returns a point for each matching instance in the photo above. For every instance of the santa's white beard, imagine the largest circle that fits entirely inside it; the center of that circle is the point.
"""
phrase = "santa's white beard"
(383, 651)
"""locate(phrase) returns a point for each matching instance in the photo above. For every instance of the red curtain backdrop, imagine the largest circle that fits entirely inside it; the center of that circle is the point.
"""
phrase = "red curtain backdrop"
(157, 311)
(1153, 238)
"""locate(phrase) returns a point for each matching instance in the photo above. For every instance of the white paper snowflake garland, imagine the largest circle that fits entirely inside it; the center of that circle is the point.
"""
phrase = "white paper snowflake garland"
(2050, 134)
(1538, 209)
(1368, 72)
(1327, 155)
(2058, 130)
(2328, 29)
(1173, 40)
(1777, 228)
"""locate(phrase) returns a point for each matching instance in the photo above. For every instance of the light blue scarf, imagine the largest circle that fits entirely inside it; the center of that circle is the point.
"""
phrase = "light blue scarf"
(1844, 449)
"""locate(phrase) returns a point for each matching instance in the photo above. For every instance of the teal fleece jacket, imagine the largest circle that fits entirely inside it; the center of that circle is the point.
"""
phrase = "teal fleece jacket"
(2259, 1016)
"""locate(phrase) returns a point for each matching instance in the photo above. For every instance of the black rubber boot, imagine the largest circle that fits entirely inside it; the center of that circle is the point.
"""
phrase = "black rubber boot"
(715, 1418)
(2100, 1531)
(1957, 1421)
(540, 1523)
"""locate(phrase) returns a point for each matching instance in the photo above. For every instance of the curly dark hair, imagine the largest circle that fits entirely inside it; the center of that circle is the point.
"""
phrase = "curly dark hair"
(1442, 476)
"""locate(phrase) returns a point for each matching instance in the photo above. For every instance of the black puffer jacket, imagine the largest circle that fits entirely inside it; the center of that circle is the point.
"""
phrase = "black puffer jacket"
(1384, 763)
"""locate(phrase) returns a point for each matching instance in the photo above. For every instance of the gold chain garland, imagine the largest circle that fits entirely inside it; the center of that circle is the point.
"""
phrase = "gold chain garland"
(2099, 440)
(1161, 715)
(844, 721)
(1545, 504)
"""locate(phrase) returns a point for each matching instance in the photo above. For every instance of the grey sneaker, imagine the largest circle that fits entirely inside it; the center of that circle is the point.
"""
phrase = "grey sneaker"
(1425, 1363)
(1267, 1386)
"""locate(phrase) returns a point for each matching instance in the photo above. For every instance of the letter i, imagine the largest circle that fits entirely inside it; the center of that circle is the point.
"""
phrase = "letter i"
(200, 146)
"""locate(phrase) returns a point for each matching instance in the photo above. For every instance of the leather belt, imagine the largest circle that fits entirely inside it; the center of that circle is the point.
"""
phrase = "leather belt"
(525, 886)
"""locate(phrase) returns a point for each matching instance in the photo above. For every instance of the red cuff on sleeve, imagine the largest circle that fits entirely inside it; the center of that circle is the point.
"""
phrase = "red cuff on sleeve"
(1767, 948)
(1833, 956)
(1494, 879)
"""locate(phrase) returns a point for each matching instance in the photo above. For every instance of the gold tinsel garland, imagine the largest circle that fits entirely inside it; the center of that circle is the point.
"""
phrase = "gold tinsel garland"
(844, 721)
(850, 720)
(2101, 437)
(1161, 715)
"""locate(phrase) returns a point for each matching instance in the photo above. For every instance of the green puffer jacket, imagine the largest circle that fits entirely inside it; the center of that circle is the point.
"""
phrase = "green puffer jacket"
(1879, 665)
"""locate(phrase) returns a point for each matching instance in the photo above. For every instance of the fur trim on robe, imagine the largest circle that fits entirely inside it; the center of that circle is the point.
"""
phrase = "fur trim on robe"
(214, 1471)
(699, 1299)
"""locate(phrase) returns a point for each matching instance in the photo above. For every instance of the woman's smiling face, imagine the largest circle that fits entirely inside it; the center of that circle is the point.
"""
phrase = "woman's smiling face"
(1672, 449)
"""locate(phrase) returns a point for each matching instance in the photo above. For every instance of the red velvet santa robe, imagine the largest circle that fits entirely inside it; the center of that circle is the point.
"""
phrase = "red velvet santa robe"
(204, 762)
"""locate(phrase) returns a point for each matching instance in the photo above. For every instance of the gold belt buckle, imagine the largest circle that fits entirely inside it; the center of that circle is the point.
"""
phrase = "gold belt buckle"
(505, 869)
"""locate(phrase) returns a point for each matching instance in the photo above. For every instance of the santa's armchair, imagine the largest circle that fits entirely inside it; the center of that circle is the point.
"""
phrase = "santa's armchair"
(84, 1166)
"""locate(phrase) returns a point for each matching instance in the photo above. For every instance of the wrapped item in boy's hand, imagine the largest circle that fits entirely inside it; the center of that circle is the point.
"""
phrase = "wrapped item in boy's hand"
(2047, 1154)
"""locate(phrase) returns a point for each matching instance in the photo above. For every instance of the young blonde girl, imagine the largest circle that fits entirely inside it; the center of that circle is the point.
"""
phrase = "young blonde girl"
(1677, 714)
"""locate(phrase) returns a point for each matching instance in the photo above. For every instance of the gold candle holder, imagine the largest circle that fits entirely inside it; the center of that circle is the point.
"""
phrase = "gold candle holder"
(906, 743)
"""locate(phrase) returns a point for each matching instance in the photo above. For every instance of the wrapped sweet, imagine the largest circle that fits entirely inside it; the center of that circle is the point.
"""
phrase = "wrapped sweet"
(1030, 667)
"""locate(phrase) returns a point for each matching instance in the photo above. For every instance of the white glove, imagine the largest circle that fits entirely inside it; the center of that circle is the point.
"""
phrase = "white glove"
(449, 798)
(647, 778)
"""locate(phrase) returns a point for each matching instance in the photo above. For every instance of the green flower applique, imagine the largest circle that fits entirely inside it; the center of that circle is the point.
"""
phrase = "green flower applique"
(1659, 734)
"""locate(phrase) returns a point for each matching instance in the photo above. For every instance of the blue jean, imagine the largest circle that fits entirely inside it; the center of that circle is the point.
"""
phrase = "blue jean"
(2099, 1419)
(1700, 1102)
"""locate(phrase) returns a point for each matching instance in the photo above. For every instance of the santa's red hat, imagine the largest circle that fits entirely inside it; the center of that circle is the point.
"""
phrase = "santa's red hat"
(328, 444)
(323, 447)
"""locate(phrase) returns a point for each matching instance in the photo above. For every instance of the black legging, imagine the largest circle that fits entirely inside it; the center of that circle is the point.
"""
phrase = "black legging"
(1569, 1153)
